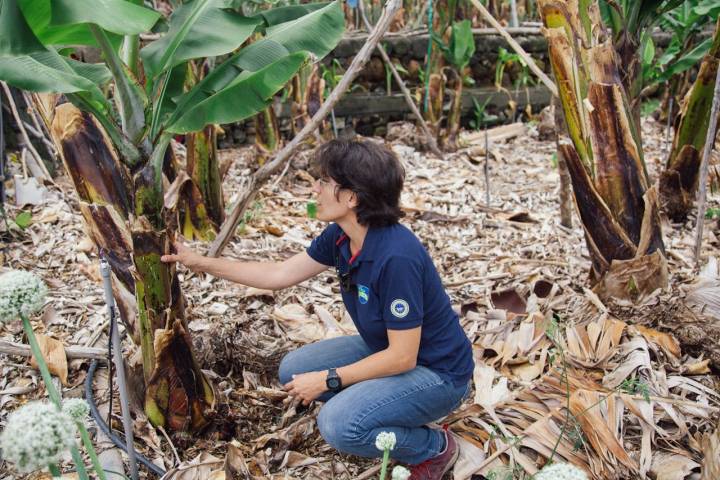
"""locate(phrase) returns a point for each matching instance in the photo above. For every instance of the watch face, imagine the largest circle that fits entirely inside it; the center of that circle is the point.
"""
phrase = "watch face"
(333, 383)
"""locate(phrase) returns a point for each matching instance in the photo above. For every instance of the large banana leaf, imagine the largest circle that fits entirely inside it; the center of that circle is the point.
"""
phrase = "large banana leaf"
(195, 32)
(40, 72)
(116, 16)
(325, 25)
(38, 14)
(16, 36)
(248, 94)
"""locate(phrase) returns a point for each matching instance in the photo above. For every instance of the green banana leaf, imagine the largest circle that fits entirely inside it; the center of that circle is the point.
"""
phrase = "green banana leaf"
(708, 7)
(40, 72)
(174, 90)
(16, 36)
(38, 15)
(687, 61)
(196, 31)
(278, 15)
(248, 94)
(116, 16)
(462, 44)
(317, 32)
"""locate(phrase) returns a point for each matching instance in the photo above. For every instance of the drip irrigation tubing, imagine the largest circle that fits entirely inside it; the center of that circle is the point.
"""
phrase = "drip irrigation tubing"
(119, 442)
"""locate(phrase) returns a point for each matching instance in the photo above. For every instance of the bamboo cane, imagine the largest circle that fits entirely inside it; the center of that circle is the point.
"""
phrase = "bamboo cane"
(702, 193)
(262, 175)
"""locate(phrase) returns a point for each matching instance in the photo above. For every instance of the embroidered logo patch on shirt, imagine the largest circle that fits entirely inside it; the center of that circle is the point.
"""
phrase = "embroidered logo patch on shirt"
(363, 294)
(399, 308)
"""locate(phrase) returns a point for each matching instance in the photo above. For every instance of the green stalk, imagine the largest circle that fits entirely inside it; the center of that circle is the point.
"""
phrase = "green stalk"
(131, 53)
(85, 436)
(37, 353)
(129, 93)
(54, 470)
(52, 392)
(383, 468)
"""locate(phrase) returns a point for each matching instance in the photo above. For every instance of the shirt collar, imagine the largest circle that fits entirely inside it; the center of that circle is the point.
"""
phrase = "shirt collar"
(369, 249)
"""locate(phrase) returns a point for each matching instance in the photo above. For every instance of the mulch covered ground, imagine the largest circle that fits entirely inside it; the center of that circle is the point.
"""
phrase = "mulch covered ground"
(611, 381)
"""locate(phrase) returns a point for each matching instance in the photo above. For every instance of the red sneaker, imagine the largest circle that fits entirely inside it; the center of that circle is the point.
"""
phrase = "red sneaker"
(434, 468)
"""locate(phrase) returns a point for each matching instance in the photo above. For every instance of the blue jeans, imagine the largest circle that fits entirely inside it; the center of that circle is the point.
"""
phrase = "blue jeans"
(352, 418)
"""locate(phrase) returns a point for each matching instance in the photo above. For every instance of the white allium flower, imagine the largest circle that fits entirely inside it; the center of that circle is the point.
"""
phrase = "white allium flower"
(77, 408)
(36, 435)
(400, 473)
(385, 441)
(561, 471)
(20, 292)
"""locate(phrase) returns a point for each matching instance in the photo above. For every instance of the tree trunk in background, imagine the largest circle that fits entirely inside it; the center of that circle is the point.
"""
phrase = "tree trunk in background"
(147, 292)
(308, 91)
(455, 113)
(616, 205)
(443, 16)
(200, 206)
(679, 181)
(202, 210)
(267, 134)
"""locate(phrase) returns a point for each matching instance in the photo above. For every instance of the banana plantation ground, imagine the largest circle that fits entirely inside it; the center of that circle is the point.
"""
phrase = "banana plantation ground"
(606, 386)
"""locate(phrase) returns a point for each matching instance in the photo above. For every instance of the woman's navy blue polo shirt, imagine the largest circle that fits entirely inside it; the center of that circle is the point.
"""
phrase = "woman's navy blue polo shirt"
(395, 286)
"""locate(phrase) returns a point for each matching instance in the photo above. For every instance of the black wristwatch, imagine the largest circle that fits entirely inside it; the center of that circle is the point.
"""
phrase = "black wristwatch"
(333, 382)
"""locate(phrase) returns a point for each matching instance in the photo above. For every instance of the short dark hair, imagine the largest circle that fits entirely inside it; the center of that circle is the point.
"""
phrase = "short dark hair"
(372, 171)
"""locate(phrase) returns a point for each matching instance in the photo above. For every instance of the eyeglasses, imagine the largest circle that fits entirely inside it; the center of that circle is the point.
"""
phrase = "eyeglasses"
(326, 182)
(345, 279)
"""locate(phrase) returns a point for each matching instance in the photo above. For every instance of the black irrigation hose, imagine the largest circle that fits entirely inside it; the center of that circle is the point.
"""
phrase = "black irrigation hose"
(119, 442)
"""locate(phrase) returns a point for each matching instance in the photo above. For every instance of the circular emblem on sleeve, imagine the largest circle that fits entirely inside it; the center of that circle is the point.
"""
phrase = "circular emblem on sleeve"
(399, 308)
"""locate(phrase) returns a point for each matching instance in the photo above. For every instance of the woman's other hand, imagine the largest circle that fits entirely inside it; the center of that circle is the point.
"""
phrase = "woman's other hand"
(307, 386)
(186, 256)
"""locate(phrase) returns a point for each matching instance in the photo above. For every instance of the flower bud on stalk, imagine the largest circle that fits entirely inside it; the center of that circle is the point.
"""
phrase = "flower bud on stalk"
(21, 293)
(400, 473)
(36, 436)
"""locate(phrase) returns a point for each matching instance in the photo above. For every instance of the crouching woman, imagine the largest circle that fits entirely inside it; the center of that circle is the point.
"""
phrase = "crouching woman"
(411, 362)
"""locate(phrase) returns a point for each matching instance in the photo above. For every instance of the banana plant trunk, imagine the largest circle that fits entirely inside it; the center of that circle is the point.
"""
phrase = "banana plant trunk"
(124, 214)
(455, 113)
(444, 13)
(202, 209)
(565, 196)
(267, 134)
(679, 181)
(616, 204)
(630, 68)
(307, 94)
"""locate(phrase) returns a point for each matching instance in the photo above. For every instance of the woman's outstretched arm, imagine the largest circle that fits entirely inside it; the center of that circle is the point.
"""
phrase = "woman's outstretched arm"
(267, 275)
